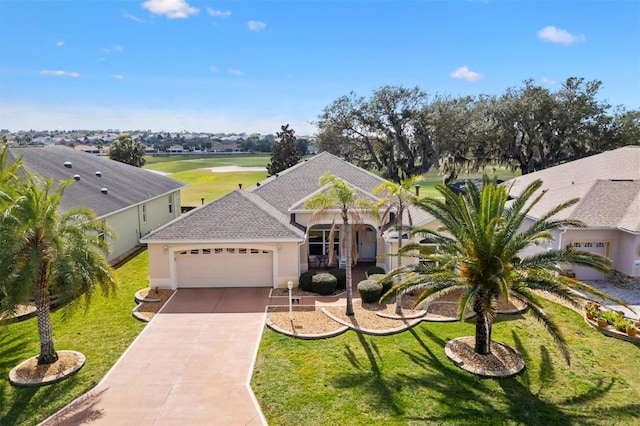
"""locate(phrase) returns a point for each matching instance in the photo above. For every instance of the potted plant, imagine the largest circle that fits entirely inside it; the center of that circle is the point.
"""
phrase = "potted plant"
(601, 320)
(631, 330)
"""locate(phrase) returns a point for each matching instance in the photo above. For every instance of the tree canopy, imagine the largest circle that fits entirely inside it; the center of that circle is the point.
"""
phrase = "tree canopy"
(285, 151)
(127, 150)
(402, 131)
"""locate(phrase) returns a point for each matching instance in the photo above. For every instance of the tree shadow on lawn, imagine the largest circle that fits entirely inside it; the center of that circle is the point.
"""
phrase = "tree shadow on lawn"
(468, 396)
(383, 389)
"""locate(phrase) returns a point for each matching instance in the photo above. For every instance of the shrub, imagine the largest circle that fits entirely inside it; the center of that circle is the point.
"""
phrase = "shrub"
(341, 276)
(324, 284)
(373, 270)
(305, 280)
(370, 291)
(386, 285)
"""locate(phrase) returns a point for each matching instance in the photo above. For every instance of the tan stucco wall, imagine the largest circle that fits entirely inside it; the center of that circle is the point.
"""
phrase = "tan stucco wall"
(162, 272)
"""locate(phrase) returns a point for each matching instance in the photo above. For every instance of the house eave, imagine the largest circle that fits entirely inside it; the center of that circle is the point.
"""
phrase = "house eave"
(221, 241)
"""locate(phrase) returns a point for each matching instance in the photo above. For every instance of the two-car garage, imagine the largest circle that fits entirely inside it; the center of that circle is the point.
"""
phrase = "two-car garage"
(224, 267)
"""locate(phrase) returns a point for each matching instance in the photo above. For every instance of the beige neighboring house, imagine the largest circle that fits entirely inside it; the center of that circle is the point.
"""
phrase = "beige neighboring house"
(263, 235)
(608, 185)
(132, 201)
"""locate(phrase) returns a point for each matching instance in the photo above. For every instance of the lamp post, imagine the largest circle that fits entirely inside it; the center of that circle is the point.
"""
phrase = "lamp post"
(290, 286)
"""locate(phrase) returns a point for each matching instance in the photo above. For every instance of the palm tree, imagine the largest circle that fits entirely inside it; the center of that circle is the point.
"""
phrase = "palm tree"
(398, 197)
(47, 250)
(341, 197)
(480, 246)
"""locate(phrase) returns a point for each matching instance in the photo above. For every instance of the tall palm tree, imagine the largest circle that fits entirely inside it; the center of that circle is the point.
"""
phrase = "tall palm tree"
(47, 250)
(397, 199)
(480, 246)
(342, 199)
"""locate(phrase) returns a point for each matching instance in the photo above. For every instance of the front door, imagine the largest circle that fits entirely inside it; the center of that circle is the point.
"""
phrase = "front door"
(367, 243)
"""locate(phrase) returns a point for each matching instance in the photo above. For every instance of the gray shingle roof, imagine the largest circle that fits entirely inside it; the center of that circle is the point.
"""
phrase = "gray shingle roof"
(297, 182)
(238, 215)
(126, 185)
(608, 185)
(262, 212)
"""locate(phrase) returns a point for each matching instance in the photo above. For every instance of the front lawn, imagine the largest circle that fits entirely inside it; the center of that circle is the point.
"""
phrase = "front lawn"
(102, 333)
(406, 378)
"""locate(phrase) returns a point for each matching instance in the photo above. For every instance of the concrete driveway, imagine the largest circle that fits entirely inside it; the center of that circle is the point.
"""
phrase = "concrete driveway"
(190, 366)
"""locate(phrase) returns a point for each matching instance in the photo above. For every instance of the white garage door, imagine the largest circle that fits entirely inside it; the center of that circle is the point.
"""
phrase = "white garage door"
(224, 267)
(582, 272)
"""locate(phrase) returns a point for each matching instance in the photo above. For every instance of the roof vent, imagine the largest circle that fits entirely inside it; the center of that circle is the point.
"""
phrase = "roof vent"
(104, 190)
(76, 177)
(258, 184)
(99, 174)
(68, 164)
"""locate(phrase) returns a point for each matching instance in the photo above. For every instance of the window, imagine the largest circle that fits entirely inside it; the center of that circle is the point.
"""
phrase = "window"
(170, 203)
(588, 244)
(578, 245)
(255, 251)
(429, 249)
(319, 243)
(242, 251)
(600, 245)
(195, 251)
(144, 212)
(206, 251)
(217, 251)
(231, 251)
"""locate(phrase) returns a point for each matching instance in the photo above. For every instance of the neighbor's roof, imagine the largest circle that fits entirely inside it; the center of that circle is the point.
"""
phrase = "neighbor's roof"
(238, 215)
(607, 184)
(126, 185)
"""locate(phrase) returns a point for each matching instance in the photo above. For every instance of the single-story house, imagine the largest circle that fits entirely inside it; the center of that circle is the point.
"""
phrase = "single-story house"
(264, 235)
(608, 185)
(132, 201)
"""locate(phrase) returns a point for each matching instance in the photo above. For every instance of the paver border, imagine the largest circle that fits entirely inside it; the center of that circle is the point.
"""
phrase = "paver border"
(17, 381)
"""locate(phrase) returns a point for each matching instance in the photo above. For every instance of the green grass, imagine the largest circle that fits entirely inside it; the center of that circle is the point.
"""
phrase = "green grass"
(208, 185)
(181, 163)
(431, 178)
(102, 333)
(406, 378)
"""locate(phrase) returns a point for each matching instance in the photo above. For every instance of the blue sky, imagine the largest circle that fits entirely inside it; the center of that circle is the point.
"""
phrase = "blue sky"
(251, 66)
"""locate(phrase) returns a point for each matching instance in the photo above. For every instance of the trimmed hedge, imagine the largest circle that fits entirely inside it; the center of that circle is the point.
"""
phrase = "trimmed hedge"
(305, 280)
(341, 276)
(374, 270)
(370, 291)
(324, 284)
(386, 286)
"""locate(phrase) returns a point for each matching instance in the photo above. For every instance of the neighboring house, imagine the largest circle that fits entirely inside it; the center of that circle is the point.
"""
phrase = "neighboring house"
(132, 201)
(608, 185)
(263, 235)
(175, 149)
(89, 149)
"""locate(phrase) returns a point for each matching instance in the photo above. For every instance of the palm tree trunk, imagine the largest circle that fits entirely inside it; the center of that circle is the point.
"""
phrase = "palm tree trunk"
(399, 296)
(484, 323)
(48, 354)
(347, 235)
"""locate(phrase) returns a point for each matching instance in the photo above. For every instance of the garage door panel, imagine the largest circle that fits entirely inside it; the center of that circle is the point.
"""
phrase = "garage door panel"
(583, 272)
(224, 267)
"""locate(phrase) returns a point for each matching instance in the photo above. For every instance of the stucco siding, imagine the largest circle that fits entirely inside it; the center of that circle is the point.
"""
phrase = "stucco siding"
(629, 257)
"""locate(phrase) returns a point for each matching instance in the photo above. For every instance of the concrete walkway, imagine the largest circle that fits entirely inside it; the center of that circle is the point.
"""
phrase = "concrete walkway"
(190, 366)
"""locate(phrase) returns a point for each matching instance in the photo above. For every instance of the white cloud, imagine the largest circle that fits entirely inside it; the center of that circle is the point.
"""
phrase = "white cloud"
(547, 81)
(113, 49)
(256, 25)
(213, 68)
(466, 74)
(134, 18)
(172, 9)
(117, 76)
(219, 13)
(235, 71)
(59, 43)
(558, 35)
(60, 73)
